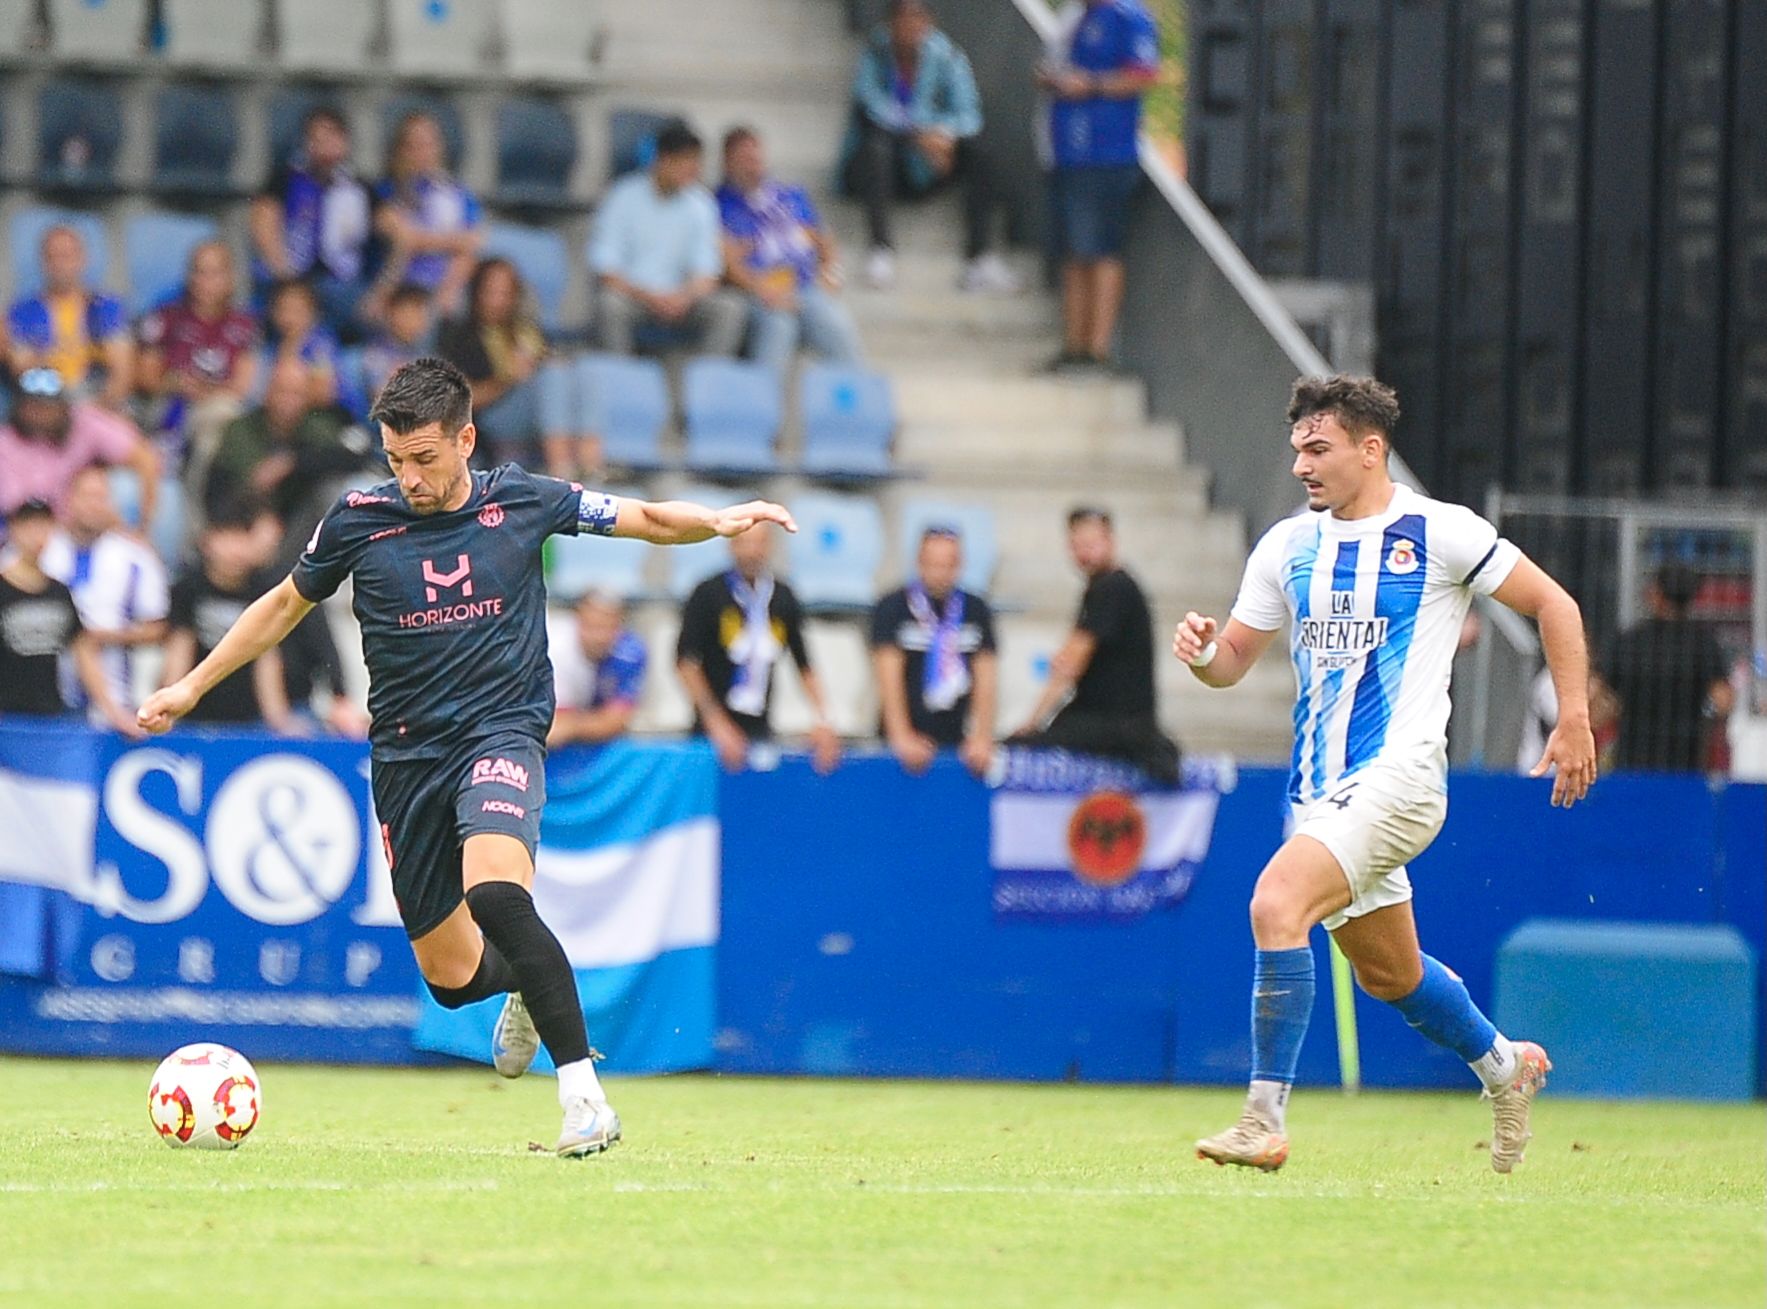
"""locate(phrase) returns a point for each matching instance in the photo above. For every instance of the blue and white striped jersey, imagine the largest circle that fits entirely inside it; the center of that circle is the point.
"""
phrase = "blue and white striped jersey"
(1376, 607)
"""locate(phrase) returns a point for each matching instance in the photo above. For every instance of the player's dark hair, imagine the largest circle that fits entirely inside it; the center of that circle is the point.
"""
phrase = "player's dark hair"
(422, 392)
(675, 137)
(1678, 585)
(1088, 514)
(741, 134)
(325, 114)
(1361, 404)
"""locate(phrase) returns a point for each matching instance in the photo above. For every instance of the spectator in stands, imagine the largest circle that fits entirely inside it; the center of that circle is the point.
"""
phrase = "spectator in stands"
(916, 128)
(734, 627)
(50, 439)
(81, 333)
(656, 254)
(40, 625)
(1542, 716)
(298, 335)
(1106, 58)
(311, 221)
(199, 362)
(498, 344)
(407, 325)
(1671, 679)
(206, 601)
(598, 668)
(288, 452)
(778, 250)
(118, 582)
(1102, 678)
(932, 644)
(428, 223)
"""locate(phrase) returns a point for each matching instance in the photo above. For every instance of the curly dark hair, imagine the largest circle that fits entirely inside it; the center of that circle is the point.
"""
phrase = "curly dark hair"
(1361, 404)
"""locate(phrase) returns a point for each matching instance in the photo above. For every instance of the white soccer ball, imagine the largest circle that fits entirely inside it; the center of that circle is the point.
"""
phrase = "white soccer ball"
(204, 1096)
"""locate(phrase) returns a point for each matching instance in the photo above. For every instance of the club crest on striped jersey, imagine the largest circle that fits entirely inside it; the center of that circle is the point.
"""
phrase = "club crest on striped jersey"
(1402, 558)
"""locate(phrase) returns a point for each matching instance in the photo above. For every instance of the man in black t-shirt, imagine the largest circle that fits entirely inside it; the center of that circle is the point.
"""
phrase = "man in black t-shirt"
(1102, 678)
(39, 623)
(734, 628)
(450, 594)
(932, 645)
(1666, 672)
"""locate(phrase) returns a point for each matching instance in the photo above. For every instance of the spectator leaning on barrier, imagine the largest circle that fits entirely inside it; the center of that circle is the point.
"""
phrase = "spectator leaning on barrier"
(656, 254)
(778, 250)
(81, 333)
(40, 629)
(312, 221)
(734, 628)
(1103, 61)
(49, 439)
(118, 582)
(598, 668)
(1102, 678)
(428, 225)
(1671, 680)
(932, 645)
(916, 127)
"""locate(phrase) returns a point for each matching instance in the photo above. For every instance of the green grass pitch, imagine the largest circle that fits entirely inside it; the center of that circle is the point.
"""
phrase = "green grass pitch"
(378, 1187)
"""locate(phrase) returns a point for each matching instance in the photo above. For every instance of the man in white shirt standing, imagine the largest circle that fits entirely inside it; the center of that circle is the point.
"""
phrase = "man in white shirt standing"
(118, 582)
(1374, 581)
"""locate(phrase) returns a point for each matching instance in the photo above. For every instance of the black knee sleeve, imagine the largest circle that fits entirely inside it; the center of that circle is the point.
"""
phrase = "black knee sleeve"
(505, 913)
(492, 977)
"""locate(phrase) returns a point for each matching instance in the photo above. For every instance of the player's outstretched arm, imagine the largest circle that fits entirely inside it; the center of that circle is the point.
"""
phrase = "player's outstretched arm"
(1570, 750)
(265, 622)
(676, 522)
(1218, 656)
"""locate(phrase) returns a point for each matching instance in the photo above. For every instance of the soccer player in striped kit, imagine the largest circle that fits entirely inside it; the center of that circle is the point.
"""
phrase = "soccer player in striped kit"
(1374, 581)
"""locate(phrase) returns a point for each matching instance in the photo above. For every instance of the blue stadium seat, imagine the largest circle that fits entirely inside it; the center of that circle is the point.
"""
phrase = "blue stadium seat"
(79, 129)
(631, 139)
(849, 417)
(196, 134)
(438, 107)
(732, 412)
(26, 239)
(549, 42)
(536, 151)
(836, 552)
(576, 564)
(432, 38)
(689, 565)
(626, 404)
(325, 36)
(212, 33)
(541, 257)
(156, 251)
(975, 527)
(100, 31)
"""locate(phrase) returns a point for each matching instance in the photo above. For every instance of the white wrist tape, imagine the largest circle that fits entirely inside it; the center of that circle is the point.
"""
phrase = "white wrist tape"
(1207, 657)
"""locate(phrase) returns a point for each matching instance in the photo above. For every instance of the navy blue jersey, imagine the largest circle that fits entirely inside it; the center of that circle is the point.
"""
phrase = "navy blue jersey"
(452, 605)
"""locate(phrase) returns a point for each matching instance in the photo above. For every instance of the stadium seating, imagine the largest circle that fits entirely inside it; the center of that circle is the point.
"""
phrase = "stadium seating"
(156, 251)
(536, 151)
(839, 654)
(103, 31)
(196, 135)
(438, 107)
(849, 418)
(325, 36)
(79, 129)
(25, 238)
(626, 404)
(631, 139)
(212, 33)
(732, 413)
(836, 552)
(289, 106)
(974, 524)
(689, 565)
(548, 41)
(542, 259)
(434, 38)
(16, 18)
(576, 564)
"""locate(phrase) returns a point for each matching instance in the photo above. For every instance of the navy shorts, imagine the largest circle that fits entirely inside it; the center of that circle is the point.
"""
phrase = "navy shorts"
(428, 807)
(1090, 209)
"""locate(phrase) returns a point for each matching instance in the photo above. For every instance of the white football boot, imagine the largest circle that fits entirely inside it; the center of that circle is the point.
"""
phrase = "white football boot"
(514, 1042)
(590, 1127)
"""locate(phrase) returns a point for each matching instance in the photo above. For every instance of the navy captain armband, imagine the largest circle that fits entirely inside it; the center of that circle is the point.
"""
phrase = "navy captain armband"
(597, 512)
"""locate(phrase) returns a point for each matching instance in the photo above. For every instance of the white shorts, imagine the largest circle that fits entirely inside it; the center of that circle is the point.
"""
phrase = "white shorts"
(1374, 823)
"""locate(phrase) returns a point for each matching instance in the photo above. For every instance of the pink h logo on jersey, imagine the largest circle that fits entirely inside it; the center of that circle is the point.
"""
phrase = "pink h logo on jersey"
(461, 576)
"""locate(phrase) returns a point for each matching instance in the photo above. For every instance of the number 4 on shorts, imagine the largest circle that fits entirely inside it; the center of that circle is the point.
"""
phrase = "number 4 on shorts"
(1343, 796)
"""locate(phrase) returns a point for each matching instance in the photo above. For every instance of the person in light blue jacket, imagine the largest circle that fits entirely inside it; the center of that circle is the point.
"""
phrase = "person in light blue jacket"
(916, 127)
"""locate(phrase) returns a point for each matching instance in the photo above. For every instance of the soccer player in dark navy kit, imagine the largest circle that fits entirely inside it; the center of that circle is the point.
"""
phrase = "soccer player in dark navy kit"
(451, 600)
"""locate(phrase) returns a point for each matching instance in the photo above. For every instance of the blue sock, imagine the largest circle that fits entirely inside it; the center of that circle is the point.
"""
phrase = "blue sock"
(1282, 1003)
(1441, 1009)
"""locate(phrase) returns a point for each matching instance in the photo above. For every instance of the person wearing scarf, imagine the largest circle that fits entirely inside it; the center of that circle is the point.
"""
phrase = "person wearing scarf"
(734, 628)
(934, 654)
